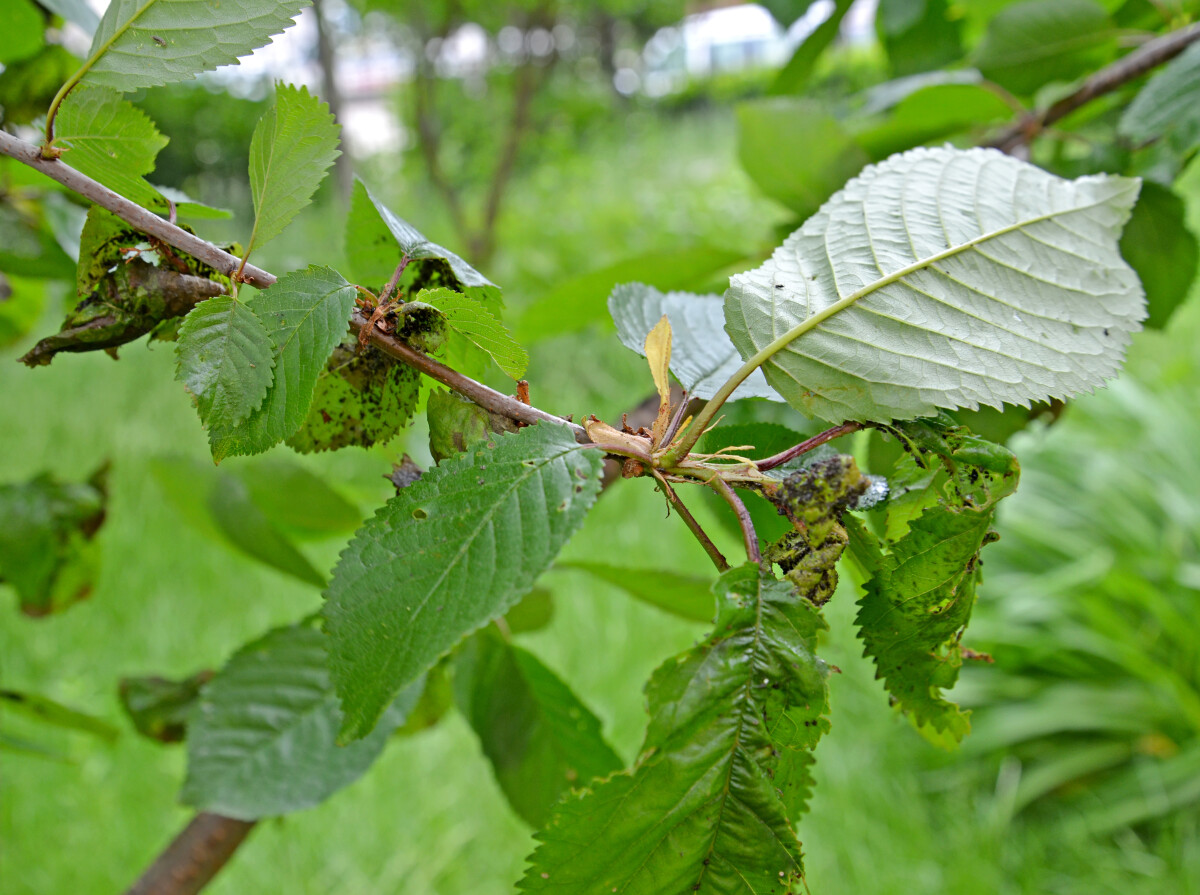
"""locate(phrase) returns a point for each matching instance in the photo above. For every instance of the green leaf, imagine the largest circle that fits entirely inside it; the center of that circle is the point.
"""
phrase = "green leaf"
(468, 316)
(915, 607)
(710, 806)
(224, 360)
(110, 140)
(247, 529)
(46, 550)
(446, 555)
(377, 240)
(919, 35)
(47, 711)
(932, 113)
(293, 145)
(454, 424)
(794, 76)
(159, 708)
(1167, 104)
(767, 127)
(688, 596)
(305, 315)
(361, 398)
(1031, 44)
(23, 30)
(540, 739)
(28, 247)
(21, 304)
(1159, 246)
(922, 587)
(960, 278)
(576, 303)
(262, 740)
(298, 501)
(191, 38)
(702, 357)
(532, 613)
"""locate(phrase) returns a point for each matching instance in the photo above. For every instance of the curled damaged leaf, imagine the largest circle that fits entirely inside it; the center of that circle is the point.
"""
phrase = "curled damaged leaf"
(724, 774)
(47, 553)
(361, 398)
(814, 500)
(129, 287)
(921, 591)
(160, 707)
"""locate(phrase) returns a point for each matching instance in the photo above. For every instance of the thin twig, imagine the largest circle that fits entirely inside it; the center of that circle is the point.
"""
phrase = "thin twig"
(132, 213)
(195, 856)
(749, 535)
(146, 221)
(689, 520)
(805, 446)
(390, 288)
(1127, 68)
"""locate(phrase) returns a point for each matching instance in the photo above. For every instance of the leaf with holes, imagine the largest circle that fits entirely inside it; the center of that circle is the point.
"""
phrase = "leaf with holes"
(225, 361)
(944, 278)
(540, 739)
(724, 774)
(262, 740)
(305, 315)
(361, 398)
(446, 555)
(293, 146)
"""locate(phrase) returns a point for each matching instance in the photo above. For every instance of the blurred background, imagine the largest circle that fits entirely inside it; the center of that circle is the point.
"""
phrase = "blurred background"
(561, 148)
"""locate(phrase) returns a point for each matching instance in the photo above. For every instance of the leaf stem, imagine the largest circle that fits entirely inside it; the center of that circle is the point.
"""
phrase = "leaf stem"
(749, 535)
(689, 520)
(805, 446)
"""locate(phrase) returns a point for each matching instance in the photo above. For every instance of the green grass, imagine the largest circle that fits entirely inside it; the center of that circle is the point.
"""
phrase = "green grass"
(891, 814)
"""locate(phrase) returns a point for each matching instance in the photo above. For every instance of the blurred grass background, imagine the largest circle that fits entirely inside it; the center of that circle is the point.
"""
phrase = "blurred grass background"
(891, 814)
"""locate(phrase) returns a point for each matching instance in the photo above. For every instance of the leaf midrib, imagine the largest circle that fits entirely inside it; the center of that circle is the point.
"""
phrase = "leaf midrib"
(809, 323)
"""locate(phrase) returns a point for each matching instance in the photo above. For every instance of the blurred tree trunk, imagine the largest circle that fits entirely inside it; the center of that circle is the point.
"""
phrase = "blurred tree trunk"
(343, 170)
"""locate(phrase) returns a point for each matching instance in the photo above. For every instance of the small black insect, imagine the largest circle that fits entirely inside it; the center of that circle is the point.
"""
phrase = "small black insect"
(158, 40)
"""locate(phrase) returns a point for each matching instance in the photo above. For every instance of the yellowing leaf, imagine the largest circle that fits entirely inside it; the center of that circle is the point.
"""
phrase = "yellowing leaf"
(658, 353)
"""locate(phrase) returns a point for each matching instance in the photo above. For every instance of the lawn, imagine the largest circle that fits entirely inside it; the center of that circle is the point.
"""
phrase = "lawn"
(891, 814)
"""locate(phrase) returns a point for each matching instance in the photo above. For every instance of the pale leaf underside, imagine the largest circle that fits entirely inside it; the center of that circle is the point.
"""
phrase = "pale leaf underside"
(702, 357)
(949, 279)
(191, 37)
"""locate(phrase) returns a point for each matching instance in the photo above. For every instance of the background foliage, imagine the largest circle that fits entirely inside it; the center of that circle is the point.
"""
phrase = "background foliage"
(1099, 549)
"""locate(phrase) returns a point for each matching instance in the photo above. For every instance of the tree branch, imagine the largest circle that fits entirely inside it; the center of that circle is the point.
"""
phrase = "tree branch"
(195, 856)
(429, 142)
(1133, 65)
(146, 221)
(132, 213)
